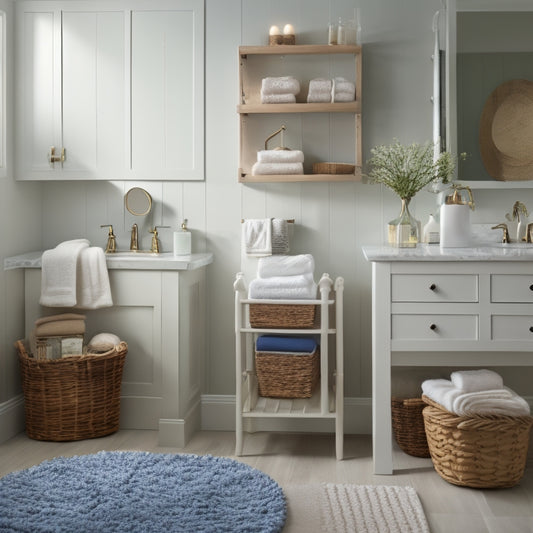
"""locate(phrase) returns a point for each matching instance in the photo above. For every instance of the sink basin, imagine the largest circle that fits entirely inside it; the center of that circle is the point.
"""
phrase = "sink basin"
(523, 245)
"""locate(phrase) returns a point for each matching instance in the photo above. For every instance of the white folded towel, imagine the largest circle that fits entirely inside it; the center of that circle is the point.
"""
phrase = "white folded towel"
(280, 156)
(319, 98)
(476, 380)
(93, 289)
(501, 402)
(320, 85)
(301, 287)
(277, 98)
(343, 97)
(280, 236)
(257, 237)
(342, 85)
(59, 273)
(280, 85)
(441, 391)
(277, 168)
(285, 265)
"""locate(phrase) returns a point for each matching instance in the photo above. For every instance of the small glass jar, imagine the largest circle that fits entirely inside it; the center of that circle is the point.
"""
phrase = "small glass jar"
(404, 231)
(341, 32)
(332, 33)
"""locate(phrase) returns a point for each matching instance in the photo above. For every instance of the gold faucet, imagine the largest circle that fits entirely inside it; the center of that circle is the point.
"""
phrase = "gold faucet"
(111, 246)
(505, 238)
(134, 242)
(155, 248)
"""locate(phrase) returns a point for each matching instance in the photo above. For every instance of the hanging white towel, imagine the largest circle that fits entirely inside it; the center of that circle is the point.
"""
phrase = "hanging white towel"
(257, 237)
(280, 236)
(59, 273)
(93, 289)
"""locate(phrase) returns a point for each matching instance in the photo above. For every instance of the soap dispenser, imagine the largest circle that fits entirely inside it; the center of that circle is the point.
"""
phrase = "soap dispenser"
(182, 240)
(455, 229)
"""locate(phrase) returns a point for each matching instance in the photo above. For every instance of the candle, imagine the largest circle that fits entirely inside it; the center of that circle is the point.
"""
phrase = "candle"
(274, 30)
(288, 29)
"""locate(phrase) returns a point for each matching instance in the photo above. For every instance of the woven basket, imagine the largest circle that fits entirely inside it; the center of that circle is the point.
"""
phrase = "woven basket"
(285, 375)
(74, 398)
(286, 316)
(481, 451)
(408, 426)
(333, 168)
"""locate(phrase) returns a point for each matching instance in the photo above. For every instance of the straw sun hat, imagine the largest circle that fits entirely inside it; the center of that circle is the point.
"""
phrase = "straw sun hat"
(506, 131)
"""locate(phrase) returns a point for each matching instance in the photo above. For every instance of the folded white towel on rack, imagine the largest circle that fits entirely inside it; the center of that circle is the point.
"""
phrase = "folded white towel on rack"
(277, 98)
(277, 168)
(59, 273)
(320, 85)
(476, 380)
(501, 402)
(257, 237)
(343, 97)
(319, 98)
(280, 85)
(280, 236)
(283, 288)
(93, 289)
(280, 156)
(342, 85)
(285, 265)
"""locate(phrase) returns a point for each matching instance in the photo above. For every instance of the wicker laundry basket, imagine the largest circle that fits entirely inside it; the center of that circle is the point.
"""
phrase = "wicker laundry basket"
(287, 316)
(408, 426)
(481, 451)
(285, 375)
(74, 398)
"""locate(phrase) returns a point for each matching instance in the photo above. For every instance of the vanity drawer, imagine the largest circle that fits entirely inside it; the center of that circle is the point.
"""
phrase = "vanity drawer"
(428, 327)
(434, 288)
(511, 288)
(512, 327)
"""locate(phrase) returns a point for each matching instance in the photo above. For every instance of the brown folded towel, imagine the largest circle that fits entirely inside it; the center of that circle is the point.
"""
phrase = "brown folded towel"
(60, 328)
(54, 318)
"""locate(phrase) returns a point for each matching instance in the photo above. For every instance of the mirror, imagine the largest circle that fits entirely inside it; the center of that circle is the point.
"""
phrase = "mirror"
(488, 44)
(138, 201)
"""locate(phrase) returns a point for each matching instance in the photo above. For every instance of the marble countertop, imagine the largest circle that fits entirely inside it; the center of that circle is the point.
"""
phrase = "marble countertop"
(433, 252)
(125, 261)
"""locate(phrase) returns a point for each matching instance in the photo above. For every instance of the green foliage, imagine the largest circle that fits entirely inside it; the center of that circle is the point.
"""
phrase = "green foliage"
(406, 169)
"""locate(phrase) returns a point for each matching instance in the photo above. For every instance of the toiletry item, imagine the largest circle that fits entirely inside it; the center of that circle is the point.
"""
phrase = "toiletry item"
(341, 33)
(182, 240)
(274, 36)
(455, 228)
(288, 34)
(332, 33)
(431, 232)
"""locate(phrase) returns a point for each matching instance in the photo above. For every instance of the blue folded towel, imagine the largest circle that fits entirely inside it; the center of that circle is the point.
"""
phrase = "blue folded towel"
(271, 343)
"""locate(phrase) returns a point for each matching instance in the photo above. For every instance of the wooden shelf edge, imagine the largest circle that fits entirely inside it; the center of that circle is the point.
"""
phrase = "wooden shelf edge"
(284, 49)
(285, 178)
(301, 107)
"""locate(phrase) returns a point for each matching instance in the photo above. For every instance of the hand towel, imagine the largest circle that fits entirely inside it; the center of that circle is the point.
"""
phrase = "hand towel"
(280, 236)
(280, 85)
(59, 273)
(285, 265)
(277, 168)
(343, 85)
(501, 402)
(274, 343)
(280, 156)
(343, 97)
(277, 98)
(319, 98)
(476, 380)
(441, 391)
(60, 328)
(320, 85)
(257, 237)
(93, 289)
(300, 287)
(58, 318)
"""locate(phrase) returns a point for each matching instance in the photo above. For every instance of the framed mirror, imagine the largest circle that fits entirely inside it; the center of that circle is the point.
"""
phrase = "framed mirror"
(138, 201)
(489, 43)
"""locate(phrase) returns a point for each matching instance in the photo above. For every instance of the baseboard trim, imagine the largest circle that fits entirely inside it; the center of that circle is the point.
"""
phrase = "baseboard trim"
(218, 414)
(11, 417)
(177, 432)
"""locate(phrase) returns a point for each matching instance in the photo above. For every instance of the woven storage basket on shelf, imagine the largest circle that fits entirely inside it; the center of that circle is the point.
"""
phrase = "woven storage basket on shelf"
(74, 398)
(408, 426)
(287, 316)
(333, 168)
(285, 375)
(480, 451)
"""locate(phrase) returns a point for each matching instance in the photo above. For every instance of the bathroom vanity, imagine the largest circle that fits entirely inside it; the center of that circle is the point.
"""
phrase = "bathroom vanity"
(457, 307)
(159, 310)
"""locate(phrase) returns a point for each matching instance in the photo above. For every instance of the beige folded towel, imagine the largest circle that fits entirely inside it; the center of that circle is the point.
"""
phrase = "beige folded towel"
(60, 329)
(57, 318)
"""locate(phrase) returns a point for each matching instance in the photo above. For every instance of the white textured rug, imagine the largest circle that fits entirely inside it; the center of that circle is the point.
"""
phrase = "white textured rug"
(335, 508)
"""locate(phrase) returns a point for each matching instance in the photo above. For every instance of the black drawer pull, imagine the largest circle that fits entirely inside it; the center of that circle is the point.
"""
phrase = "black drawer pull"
(433, 327)
(432, 287)
(531, 329)
(531, 287)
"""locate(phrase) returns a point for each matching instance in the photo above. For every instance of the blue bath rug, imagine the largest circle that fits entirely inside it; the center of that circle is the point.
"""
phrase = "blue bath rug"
(141, 492)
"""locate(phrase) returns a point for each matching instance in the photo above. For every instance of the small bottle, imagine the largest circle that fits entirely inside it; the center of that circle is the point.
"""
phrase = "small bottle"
(341, 33)
(431, 232)
(182, 240)
(332, 33)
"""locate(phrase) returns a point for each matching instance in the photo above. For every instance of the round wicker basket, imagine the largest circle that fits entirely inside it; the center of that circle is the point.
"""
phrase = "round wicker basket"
(408, 426)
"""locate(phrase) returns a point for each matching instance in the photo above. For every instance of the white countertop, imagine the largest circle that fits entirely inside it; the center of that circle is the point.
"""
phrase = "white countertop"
(125, 261)
(433, 252)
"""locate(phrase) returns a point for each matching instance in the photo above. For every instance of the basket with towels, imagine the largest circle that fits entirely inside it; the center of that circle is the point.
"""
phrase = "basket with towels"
(279, 90)
(477, 429)
(287, 367)
(283, 277)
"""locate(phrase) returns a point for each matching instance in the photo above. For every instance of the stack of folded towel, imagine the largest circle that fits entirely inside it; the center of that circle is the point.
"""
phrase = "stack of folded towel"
(281, 90)
(265, 236)
(284, 277)
(472, 392)
(288, 345)
(338, 89)
(278, 162)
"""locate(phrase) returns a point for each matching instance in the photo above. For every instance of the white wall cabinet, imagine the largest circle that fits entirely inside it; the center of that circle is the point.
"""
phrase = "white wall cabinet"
(117, 85)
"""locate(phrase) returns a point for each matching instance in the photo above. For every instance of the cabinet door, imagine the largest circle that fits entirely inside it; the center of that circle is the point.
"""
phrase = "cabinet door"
(167, 94)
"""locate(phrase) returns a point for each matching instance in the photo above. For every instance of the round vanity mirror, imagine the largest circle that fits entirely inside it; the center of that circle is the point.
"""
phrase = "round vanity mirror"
(138, 201)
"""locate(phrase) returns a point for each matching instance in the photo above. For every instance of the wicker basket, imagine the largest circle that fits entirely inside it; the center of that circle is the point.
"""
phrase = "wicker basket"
(333, 168)
(408, 426)
(481, 451)
(74, 398)
(286, 316)
(285, 375)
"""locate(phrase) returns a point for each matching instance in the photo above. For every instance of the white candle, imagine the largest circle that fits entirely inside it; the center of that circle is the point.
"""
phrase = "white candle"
(274, 30)
(288, 29)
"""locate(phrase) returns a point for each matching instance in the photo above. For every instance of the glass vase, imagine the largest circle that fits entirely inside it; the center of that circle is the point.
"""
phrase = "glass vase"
(404, 231)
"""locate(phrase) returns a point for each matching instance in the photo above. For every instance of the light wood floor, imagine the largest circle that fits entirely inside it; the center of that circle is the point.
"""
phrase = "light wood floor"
(296, 459)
